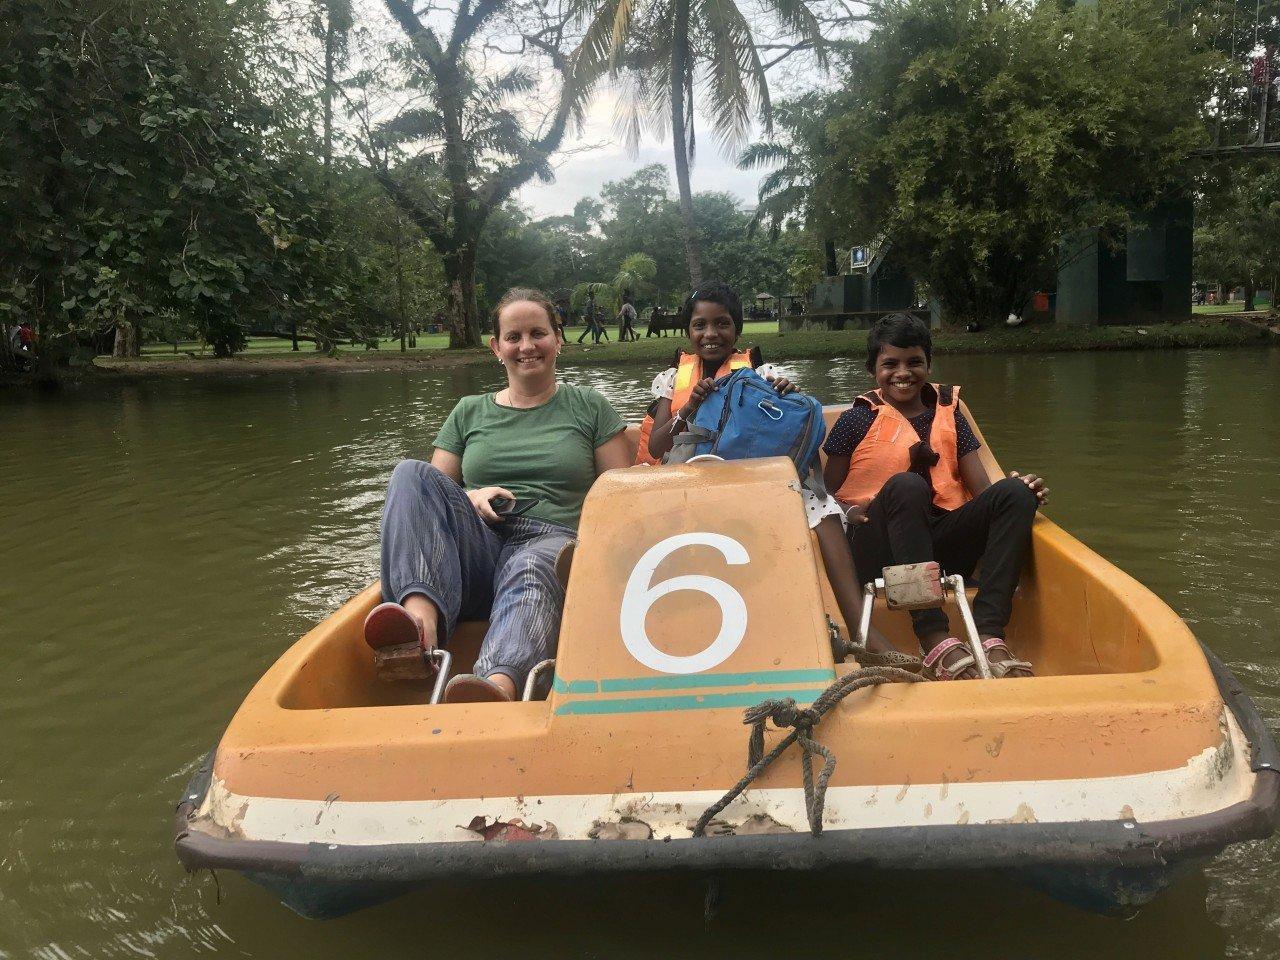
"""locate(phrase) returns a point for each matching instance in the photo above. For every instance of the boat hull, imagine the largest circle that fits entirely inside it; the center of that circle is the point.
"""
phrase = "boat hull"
(1099, 865)
(696, 591)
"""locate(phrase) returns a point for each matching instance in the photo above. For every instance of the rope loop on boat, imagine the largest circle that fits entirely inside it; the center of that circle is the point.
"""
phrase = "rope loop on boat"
(785, 713)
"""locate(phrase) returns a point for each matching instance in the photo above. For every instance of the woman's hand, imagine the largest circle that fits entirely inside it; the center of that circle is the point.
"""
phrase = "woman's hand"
(1034, 483)
(480, 502)
(782, 385)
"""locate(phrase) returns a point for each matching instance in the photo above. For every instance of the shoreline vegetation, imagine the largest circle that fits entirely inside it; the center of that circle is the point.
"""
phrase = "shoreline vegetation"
(1220, 331)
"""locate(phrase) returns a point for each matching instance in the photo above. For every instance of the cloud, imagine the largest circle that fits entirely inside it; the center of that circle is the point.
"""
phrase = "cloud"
(602, 159)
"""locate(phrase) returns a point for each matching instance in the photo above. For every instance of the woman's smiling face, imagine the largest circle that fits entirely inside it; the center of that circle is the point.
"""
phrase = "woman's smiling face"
(712, 333)
(527, 343)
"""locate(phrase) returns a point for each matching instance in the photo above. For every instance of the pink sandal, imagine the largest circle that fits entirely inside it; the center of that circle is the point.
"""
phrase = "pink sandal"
(933, 668)
(1001, 668)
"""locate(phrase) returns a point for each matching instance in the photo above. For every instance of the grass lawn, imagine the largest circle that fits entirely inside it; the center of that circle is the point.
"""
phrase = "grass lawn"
(1231, 306)
(1037, 338)
(272, 346)
(267, 355)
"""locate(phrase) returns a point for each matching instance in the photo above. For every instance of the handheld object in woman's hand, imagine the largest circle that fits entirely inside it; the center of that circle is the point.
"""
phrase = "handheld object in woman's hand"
(506, 507)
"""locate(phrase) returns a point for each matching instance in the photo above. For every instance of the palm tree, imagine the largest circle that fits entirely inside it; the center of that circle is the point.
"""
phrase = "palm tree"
(786, 194)
(636, 272)
(661, 51)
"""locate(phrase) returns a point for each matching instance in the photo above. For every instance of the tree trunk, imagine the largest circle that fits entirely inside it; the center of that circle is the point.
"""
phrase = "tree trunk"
(400, 296)
(126, 344)
(680, 139)
(1250, 292)
(460, 274)
(330, 42)
(829, 252)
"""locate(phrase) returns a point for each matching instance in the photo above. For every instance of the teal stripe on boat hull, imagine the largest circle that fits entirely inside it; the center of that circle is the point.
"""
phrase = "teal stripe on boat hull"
(692, 681)
(710, 701)
(697, 680)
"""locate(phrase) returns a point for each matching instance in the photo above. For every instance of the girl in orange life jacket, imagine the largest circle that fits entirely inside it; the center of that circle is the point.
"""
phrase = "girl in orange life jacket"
(903, 461)
(712, 318)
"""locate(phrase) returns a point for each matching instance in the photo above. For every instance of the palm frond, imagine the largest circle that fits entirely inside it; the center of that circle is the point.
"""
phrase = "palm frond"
(735, 77)
(797, 16)
(763, 154)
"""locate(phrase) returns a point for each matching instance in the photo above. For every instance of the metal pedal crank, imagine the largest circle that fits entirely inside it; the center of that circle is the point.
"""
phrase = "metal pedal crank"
(920, 586)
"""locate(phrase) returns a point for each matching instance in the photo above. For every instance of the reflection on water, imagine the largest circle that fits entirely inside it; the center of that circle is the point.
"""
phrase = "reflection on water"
(165, 541)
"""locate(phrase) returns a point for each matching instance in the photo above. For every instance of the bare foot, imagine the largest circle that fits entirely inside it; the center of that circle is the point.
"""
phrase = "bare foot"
(503, 683)
(428, 617)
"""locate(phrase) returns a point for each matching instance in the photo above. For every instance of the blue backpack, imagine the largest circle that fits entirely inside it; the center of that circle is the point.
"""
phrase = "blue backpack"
(744, 417)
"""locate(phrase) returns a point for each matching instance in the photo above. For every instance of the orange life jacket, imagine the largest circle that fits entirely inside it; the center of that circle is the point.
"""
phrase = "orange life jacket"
(688, 372)
(886, 450)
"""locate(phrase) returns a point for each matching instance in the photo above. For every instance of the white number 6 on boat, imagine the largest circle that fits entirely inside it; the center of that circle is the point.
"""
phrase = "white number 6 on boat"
(641, 594)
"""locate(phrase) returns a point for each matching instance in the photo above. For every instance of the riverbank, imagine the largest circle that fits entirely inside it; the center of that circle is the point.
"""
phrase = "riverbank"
(1219, 331)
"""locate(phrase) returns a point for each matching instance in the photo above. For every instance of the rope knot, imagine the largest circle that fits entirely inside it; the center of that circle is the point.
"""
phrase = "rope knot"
(784, 713)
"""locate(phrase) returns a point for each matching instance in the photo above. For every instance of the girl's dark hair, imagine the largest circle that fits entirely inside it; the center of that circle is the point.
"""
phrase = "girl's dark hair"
(714, 292)
(898, 330)
(518, 294)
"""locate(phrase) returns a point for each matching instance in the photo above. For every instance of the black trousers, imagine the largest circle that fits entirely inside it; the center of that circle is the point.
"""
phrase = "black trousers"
(903, 526)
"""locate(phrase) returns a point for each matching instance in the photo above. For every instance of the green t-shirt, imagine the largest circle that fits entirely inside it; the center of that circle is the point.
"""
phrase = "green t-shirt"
(546, 452)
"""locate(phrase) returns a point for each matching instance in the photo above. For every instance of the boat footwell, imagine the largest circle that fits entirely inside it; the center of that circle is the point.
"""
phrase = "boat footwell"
(1101, 865)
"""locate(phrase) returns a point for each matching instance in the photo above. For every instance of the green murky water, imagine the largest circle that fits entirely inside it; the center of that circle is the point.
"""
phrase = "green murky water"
(162, 543)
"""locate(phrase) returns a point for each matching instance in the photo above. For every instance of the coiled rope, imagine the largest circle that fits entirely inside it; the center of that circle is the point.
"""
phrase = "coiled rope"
(785, 713)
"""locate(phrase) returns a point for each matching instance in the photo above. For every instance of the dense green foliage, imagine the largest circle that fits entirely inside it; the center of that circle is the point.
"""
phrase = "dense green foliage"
(146, 186)
(635, 215)
(1237, 237)
(219, 170)
(974, 135)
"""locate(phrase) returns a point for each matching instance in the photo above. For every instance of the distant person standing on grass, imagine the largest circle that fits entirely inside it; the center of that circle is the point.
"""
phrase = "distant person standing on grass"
(626, 317)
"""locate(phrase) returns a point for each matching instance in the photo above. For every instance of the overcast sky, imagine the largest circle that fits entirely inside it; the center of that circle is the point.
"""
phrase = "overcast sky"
(582, 174)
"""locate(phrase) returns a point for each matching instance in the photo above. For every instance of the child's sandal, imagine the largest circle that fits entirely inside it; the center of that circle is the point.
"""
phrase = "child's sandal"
(1002, 668)
(933, 668)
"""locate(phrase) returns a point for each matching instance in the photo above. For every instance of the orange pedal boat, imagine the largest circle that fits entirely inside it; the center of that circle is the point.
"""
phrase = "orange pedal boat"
(697, 591)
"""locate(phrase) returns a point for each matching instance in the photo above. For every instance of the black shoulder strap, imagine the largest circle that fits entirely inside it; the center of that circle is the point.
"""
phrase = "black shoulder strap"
(872, 398)
(756, 357)
(946, 395)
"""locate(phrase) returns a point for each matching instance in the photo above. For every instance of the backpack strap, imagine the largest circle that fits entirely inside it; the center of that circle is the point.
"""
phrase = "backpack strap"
(684, 444)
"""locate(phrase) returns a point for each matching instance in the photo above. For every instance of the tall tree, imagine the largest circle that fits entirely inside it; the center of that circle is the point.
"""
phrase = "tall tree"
(974, 135)
(663, 51)
(331, 23)
(451, 163)
(785, 195)
(1237, 238)
(146, 181)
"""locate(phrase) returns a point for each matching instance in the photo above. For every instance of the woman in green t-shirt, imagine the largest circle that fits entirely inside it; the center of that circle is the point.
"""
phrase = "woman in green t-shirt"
(449, 555)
